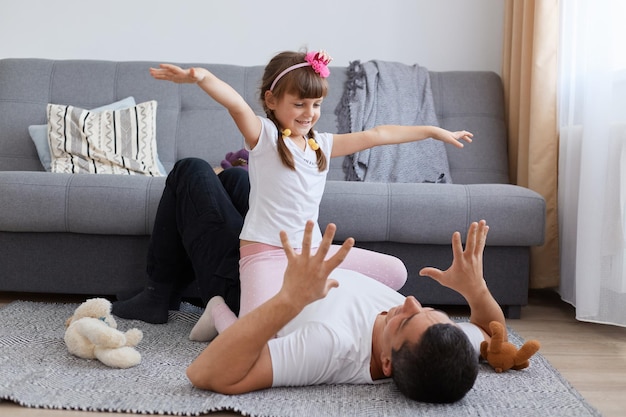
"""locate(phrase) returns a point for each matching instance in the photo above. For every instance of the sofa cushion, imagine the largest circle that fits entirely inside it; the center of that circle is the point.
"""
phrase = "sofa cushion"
(369, 212)
(431, 213)
(474, 101)
(93, 204)
(39, 133)
(109, 142)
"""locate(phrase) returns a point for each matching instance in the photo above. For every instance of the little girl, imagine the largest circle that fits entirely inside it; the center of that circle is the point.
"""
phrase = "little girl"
(288, 164)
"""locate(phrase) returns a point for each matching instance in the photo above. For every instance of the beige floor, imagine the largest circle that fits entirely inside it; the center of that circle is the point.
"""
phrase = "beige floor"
(592, 357)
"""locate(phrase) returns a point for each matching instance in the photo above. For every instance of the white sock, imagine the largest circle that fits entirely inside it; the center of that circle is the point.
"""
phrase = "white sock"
(204, 330)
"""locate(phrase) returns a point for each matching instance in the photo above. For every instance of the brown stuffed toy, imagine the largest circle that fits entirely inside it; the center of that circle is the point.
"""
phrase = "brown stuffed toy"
(502, 355)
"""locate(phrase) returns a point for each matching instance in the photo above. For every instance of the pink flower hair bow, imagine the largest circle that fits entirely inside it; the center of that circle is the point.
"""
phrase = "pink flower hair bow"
(319, 62)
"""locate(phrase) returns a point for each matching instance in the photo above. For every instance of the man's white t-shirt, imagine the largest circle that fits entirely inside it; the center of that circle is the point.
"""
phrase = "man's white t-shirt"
(330, 341)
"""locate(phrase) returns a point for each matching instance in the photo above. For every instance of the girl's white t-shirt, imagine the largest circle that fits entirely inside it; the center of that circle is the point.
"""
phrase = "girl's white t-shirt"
(280, 198)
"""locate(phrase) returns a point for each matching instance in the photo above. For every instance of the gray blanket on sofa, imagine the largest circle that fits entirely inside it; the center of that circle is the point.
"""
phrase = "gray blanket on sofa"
(378, 93)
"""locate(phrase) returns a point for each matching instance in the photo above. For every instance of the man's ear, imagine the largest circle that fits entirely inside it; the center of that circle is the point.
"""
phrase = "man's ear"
(270, 100)
(386, 365)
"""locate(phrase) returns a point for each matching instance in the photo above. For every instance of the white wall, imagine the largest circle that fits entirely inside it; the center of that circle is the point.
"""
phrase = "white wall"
(438, 34)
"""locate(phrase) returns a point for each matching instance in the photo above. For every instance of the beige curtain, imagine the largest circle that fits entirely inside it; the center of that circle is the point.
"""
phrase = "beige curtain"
(529, 74)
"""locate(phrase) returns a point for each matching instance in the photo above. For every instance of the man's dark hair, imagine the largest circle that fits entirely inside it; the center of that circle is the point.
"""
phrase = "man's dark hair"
(440, 368)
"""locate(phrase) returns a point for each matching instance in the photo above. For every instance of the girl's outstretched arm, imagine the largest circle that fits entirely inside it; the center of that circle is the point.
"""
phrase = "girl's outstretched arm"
(348, 143)
(243, 115)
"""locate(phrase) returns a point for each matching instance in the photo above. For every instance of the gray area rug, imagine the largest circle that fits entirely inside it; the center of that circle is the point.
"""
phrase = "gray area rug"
(37, 371)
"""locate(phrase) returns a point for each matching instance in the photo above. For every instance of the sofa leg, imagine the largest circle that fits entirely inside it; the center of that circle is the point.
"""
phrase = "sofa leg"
(512, 311)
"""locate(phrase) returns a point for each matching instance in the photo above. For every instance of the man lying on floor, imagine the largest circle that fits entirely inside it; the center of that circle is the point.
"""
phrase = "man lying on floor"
(327, 325)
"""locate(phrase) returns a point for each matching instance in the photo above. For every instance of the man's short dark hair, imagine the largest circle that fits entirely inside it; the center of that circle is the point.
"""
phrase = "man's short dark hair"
(440, 368)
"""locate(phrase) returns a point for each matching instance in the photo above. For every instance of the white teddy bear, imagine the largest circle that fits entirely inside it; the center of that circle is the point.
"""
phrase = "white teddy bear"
(91, 333)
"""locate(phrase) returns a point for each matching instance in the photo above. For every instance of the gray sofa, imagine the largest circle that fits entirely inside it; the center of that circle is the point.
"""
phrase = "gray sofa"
(88, 234)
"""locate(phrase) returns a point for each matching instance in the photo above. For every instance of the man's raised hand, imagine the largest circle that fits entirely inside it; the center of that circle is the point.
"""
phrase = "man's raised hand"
(465, 275)
(307, 275)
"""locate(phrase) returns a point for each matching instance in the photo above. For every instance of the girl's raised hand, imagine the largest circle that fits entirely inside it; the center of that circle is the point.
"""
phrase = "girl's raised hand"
(463, 135)
(174, 73)
(454, 138)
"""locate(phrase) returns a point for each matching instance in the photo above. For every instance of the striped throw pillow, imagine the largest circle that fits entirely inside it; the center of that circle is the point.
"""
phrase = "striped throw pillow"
(107, 142)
